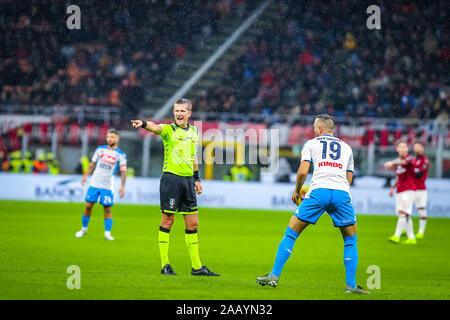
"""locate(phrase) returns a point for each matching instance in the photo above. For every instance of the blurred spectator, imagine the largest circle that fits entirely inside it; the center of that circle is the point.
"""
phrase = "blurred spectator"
(130, 172)
(16, 163)
(52, 163)
(124, 47)
(321, 56)
(40, 165)
(239, 173)
(284, 171)
(27, 162)
(82, 165)
(240, 4)
(4, 162)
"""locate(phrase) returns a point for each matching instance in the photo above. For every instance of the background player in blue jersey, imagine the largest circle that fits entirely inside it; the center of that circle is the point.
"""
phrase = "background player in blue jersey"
(329, 191)
(105, 162)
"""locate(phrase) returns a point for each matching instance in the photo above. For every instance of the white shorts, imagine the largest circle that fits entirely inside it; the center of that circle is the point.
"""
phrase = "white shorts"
(421, 199)
(404, 201)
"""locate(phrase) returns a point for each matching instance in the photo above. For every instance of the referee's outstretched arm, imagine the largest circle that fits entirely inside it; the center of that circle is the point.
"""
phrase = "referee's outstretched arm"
(147, 125)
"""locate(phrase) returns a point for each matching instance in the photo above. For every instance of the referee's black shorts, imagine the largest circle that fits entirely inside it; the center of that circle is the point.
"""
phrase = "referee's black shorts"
(177, 194)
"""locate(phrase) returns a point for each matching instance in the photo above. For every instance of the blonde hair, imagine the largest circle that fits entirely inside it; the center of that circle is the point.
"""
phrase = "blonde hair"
(326, 121)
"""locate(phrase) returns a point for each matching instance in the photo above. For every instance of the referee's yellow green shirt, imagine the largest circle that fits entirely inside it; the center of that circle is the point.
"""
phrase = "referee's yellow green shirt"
(180, 148)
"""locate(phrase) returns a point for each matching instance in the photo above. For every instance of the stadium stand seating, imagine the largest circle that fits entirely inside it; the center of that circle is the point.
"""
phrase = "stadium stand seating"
(308, 57)
(315, 57)
(289, 135)
(302, 58)
(123, 50)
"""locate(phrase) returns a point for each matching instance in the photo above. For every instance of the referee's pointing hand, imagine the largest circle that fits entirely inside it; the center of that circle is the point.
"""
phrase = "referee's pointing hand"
(136, 123)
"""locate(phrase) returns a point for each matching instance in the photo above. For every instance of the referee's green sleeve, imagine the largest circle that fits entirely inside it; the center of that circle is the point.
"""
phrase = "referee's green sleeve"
(165, 130)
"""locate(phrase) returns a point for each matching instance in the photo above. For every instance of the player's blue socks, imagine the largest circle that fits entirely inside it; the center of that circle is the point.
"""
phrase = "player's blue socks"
(350, 260)
(284, 250)
(108, 224)
(85, 221)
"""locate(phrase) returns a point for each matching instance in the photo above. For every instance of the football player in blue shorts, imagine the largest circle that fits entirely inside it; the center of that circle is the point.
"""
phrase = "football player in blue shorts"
(104, 164)
(329, 191)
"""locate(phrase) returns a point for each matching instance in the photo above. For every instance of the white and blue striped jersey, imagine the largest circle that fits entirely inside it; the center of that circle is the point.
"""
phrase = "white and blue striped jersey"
(331, 159)
(108, 161)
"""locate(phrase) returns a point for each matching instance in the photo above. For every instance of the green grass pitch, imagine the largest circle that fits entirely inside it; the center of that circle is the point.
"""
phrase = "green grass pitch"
(37, 244)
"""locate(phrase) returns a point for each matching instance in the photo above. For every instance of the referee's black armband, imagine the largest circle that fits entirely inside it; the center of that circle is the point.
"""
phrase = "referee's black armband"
(144, 124)
(196, 177)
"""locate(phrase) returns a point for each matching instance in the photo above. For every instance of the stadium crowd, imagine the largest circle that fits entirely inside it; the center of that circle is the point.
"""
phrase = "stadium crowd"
(16, 162)
(312, 56)
(123, 49)
(319, 57)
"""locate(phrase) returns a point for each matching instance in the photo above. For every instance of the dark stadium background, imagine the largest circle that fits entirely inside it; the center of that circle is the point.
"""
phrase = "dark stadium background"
(61, 90)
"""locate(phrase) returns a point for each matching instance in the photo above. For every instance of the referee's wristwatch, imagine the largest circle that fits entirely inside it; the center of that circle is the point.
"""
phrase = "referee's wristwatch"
(196, 177)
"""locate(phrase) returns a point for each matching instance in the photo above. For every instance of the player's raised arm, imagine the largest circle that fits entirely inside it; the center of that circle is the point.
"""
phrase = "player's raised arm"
(396, 162)
(147, 125)
(399, 162)
(302, 173)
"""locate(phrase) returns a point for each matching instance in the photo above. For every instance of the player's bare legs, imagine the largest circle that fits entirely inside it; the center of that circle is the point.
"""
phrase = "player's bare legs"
(296, 226)
(167, 220)
(88, 209)
(191, 221)
(348, 231)
(85, 219)
(191, 239)
(108, 213)
(108, 222)
(351, 259)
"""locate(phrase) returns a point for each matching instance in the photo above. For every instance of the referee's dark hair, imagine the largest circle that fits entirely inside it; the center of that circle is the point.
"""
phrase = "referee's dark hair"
(186, 102)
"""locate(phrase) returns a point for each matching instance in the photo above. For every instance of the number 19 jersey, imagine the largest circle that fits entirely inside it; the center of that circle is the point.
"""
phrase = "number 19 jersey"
(331, 159)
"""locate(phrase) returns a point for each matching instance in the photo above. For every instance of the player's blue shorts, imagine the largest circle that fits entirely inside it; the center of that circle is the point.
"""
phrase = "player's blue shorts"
(106, 196)
(336, 203)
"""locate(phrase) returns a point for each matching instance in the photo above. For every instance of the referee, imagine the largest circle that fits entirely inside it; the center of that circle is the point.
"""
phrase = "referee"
(180, 183)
